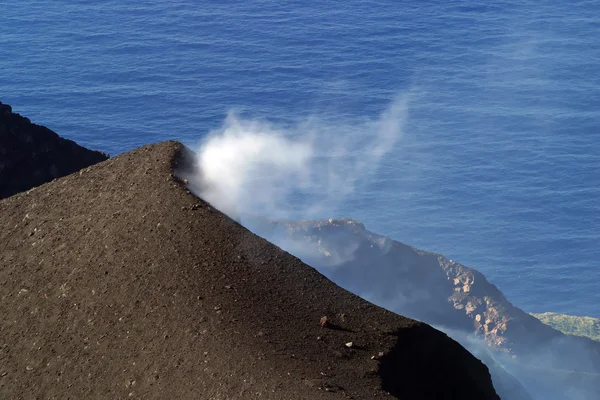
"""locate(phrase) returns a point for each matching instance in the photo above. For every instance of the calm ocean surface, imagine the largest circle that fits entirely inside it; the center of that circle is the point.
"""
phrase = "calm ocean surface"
(499, 164)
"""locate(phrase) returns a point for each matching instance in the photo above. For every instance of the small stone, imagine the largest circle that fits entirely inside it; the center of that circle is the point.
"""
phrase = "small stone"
(324, 322)
(349, 344)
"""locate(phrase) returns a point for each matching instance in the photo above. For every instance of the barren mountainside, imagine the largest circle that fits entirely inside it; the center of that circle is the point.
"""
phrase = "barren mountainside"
(118, 282)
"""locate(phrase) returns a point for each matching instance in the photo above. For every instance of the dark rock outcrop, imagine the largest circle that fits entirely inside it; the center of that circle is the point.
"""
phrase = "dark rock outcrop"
(429, 287)
(31, 155)
(118, 282)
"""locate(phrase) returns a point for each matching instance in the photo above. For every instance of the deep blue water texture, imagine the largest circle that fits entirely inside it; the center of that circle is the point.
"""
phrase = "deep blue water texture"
(499, 165)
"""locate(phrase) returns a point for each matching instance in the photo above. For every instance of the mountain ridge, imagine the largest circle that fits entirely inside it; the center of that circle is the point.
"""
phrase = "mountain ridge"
(118, 282)
(471, 294)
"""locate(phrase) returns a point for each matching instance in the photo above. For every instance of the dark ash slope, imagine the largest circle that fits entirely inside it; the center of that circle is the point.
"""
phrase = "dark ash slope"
(116, 282)
(31, 155)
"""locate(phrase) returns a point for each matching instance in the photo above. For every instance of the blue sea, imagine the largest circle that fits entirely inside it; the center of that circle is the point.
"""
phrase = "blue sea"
(498, 166)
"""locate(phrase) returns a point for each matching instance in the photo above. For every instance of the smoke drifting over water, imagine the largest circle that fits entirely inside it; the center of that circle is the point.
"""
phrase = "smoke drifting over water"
(257, 172)
(250, 167)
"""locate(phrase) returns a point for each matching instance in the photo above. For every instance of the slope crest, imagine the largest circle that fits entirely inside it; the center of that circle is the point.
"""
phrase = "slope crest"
(117, 282)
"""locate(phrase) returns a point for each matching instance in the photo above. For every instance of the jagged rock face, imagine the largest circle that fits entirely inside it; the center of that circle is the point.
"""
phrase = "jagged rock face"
(431, 288)
(31, 155)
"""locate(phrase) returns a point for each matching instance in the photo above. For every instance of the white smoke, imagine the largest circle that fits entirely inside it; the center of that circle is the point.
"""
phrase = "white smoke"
(253, 168)
(250, 167)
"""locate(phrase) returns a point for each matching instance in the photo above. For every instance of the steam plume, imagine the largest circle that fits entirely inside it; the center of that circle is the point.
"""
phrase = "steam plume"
(250, 167)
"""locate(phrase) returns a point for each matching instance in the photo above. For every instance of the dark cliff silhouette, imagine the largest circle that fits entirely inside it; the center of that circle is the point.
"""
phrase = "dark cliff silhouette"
(31, 155)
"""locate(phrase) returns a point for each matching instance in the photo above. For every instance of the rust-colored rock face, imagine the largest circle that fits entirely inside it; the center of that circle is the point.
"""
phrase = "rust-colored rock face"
(31, 155)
